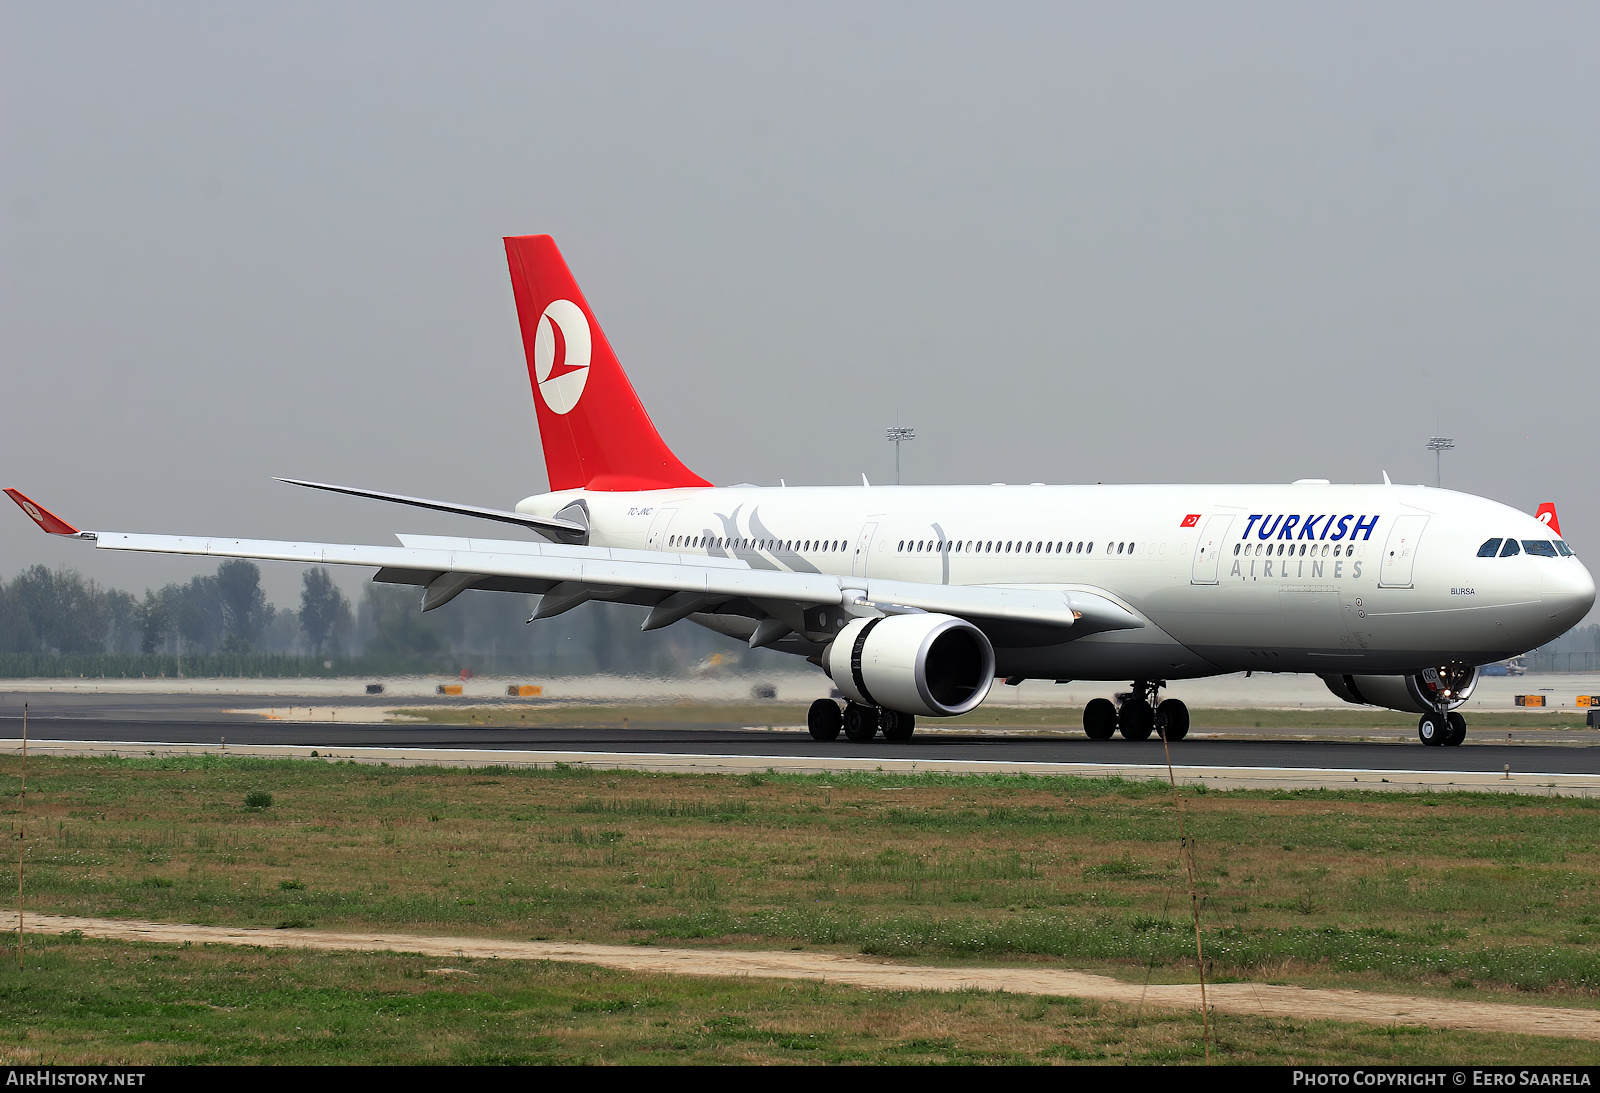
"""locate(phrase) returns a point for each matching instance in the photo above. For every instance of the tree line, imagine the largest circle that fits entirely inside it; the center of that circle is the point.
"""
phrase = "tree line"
(58, 622)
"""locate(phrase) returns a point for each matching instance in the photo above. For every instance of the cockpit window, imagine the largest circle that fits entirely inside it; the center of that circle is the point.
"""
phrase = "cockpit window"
(1511, 548)
(1489, 549)
(1544, 548)
(1566, 551)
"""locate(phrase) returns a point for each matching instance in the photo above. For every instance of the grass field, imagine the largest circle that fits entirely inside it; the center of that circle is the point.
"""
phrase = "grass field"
(1066, 718)
(1448, 894)
(98, 1002)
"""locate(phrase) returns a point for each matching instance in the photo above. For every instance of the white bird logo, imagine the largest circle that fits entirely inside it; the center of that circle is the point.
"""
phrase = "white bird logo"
(561, 349)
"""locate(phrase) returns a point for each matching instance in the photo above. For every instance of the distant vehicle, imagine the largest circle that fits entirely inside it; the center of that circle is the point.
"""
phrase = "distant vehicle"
(915, 599)
(1516, 666)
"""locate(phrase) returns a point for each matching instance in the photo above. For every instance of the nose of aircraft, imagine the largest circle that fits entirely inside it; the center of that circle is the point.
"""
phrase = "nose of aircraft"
(1567, 591)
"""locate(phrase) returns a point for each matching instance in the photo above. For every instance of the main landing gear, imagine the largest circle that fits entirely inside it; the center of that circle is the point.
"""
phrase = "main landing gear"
(1137, 715)
(1445, 730)
(860, 723)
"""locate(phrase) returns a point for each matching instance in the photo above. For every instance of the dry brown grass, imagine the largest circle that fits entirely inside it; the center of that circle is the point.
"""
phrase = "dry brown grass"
(111, 1003)
(1397, 892)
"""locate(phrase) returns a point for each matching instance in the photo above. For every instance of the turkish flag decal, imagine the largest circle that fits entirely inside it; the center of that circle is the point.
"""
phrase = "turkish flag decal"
(1191, 520)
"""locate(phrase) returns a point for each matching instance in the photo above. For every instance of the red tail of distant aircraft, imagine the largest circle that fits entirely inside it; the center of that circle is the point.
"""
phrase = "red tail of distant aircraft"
(1547, 515)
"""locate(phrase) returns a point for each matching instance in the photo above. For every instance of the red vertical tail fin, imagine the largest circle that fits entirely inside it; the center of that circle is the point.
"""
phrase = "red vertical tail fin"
(1547, 516)
(595, 431)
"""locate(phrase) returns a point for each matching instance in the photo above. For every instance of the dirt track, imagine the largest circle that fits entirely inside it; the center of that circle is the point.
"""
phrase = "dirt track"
(1259, 999)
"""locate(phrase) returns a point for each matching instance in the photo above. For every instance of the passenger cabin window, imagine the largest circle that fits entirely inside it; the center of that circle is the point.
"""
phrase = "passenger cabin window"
(1510, 549)
(1490, 548)
(1544, 548)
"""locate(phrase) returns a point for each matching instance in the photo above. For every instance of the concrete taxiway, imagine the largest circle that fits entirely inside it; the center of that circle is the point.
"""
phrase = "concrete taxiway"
(1534, 761)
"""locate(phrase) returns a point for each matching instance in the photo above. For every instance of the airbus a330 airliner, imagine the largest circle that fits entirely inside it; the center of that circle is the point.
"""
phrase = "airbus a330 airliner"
(915, 599)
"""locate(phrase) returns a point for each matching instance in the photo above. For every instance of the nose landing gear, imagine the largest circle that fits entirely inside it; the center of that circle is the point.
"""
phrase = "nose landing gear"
(1444, 688)
(1139, 715)
(1442, 730)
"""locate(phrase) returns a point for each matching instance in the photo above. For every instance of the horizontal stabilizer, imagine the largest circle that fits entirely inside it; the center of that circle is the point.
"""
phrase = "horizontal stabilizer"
(537, 523)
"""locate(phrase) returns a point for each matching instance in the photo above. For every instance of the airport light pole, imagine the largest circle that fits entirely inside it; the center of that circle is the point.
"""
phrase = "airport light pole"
(1438, 445)
(897, 436)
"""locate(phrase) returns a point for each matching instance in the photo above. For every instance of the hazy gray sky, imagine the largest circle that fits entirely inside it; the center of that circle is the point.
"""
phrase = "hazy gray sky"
(1066, 242)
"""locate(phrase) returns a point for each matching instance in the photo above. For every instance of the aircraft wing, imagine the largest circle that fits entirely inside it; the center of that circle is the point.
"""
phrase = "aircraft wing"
(674, 586)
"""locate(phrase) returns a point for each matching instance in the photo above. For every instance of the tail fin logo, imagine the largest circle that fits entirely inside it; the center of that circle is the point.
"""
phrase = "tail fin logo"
(561, 350)
(1547, 516)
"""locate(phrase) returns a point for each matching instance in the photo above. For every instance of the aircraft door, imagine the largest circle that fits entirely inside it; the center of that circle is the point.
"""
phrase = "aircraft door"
(658, 528)
(1400, 552)
(1208, 551)
(858, 562)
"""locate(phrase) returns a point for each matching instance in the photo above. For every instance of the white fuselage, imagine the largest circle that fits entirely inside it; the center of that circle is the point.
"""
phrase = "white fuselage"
(1333, 579)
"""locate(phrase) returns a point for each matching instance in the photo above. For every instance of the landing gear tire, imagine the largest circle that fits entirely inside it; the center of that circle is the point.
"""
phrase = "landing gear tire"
(896, 726)
(1431, 729)
(1100, 719)
(860, 723)
(824, 719)
(1136, 719)
(1456, 730)
(1172, 720)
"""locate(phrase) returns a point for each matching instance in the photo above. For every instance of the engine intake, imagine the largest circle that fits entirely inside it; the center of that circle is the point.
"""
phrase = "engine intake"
(933, 665)
(1425, 692)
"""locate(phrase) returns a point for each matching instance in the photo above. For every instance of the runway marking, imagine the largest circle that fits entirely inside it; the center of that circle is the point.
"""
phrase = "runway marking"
(1217, 777)
(1252, 999)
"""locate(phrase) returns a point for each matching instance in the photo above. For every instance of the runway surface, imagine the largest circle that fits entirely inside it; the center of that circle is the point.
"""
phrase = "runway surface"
(197, 721)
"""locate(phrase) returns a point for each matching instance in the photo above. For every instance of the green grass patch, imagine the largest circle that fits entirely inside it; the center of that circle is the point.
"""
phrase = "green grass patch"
(1332, 887)
(86, 1002)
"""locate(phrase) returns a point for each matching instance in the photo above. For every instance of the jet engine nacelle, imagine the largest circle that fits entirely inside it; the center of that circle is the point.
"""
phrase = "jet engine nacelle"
(1425, 692)
(928, 664)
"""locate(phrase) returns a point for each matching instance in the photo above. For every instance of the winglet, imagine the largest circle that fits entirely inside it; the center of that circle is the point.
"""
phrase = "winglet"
(47, 520)
(1547, 515)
